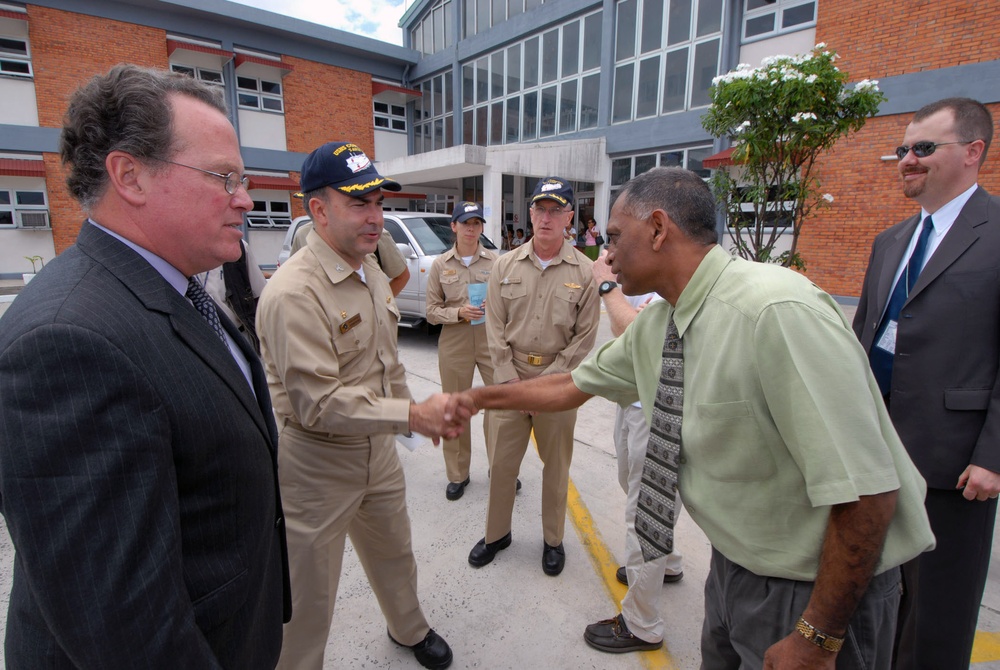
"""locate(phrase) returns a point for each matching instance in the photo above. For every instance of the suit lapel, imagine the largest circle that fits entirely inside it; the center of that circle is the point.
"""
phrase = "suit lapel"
(891, 258)
(157, 295)
(960, 237)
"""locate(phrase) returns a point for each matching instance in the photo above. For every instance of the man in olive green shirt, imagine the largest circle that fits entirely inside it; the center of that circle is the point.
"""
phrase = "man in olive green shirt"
(788, 461)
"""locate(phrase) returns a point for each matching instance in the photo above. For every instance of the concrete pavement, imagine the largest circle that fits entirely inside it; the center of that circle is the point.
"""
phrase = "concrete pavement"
(509, 614)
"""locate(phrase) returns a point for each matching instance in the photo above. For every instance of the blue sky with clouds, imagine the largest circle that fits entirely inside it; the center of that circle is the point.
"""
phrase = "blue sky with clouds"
(379, 21)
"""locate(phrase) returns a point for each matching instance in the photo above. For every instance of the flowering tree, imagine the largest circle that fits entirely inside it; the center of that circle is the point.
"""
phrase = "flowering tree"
(781, 116)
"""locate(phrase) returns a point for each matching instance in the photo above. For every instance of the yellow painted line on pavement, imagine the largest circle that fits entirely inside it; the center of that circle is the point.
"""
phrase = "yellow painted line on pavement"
(606, 565)
(986, 647)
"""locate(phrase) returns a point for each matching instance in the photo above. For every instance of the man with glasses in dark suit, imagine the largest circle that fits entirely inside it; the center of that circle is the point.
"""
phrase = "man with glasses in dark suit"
(137, 446)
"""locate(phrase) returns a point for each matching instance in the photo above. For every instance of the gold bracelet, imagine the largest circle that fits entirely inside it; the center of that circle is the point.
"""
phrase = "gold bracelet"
(818, 637)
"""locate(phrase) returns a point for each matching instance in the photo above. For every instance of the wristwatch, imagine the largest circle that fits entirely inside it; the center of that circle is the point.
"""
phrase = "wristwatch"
(818, 637)
(606, 287)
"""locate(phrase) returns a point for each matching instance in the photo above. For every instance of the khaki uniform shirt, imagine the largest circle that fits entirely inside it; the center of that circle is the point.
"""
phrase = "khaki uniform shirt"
(392, 262)
(447, 284)
(552, 312)
(328, 343)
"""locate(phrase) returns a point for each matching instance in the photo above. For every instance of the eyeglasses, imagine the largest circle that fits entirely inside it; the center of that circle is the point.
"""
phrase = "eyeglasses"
(924, 149)
(549, 211)
(233, 180)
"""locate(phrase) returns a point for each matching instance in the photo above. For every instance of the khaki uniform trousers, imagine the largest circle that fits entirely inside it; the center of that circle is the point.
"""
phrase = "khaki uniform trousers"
(330, 491)
(462, 348)
(511, 432)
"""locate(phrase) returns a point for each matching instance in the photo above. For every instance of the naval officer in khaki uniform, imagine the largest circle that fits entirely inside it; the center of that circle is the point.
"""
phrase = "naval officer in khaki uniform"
(542, 311)
(462, 346)
(327, 324)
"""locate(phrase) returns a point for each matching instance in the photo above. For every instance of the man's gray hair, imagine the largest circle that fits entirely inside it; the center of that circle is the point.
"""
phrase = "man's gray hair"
(682, 194)
(128, 110)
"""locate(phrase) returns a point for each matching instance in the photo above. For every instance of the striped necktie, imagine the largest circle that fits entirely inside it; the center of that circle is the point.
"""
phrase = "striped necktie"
(654, 518)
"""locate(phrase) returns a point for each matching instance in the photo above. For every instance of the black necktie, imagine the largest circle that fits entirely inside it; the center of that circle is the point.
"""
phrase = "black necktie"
(203, 303)
(881, 360)
(654, 517)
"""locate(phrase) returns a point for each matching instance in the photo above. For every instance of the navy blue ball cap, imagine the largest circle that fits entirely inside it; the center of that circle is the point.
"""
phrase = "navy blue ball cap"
(345, 167)
(553, 188)
(466, 210)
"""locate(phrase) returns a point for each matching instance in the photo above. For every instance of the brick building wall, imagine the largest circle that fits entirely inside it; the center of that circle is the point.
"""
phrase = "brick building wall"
(324, 103)
(67, 49)
(877, 40)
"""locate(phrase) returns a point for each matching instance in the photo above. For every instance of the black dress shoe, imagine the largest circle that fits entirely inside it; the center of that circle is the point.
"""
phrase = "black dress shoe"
(455, 491)
(518, 488)
(614, 637)
(667, 579)
(484, 553)
(431, 652)
(553, 559)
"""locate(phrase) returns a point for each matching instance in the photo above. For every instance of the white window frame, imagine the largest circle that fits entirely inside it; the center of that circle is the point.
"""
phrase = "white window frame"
(17, 210)
(9, 59)
(244, 93)
(394, 116)
(202, 74)
(268, 218)
(778, 9)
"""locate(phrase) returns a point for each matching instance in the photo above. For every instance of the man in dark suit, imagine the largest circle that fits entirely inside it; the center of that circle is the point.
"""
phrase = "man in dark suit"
(929, 318)
(137, 446)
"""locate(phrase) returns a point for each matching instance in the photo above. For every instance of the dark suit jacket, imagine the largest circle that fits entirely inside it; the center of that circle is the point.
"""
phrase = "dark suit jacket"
(945, 400)
(137, 475)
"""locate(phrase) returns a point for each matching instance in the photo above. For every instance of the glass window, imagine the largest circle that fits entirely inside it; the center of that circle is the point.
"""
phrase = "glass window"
(469, 9)
(644, 163)
(531, 63)
(499, 11)
(482, 80)
(671, 159)
(438, 29)
(13, 46)
(531, 4)
(468, 128)
(438, 133)
(706, 67)
(448, 38)
(679, 22)
(550, 56)
(513, 120)
(589, 96)
(496, 75)
(529, 128)
(496, 123)
(416, 39)
(514, 69)
(709, 17)
(759, 25)
(621, 171)
(696, 158)
(482, 15)
(548, 125)
(449, 93)
(621, 105)
(482, 118)
(592, 42)
(270, 94)
(36, 198)
(675, 75)
(571, 49)
(652, 25)
(649, 83)
(625, 34)
(794, 16)
(468, 86)
(567, 107)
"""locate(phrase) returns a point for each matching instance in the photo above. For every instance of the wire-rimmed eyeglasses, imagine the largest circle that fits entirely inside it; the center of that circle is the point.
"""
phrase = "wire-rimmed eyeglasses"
(233, 180)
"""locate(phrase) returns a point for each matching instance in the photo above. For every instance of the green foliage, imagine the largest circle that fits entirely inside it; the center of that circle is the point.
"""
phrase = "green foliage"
(33, 260)
(781, 117)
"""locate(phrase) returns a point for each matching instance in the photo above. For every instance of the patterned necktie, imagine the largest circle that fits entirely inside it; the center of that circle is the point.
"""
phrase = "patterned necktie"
(881, 360)
(654, 517)
(203, 303)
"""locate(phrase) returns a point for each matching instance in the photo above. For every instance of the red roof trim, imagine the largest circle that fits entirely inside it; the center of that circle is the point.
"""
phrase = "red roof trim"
(276, 183)
(7, 14)
(244, 58)
(382, 87)
(16, 167)
(722, 159)
(174, 45)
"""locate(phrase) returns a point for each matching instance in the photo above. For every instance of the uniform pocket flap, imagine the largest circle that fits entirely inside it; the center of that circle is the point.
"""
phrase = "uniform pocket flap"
(967, 399)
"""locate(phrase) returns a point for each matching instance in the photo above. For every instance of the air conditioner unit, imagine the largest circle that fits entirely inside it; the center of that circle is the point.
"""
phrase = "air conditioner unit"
(33, 219)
